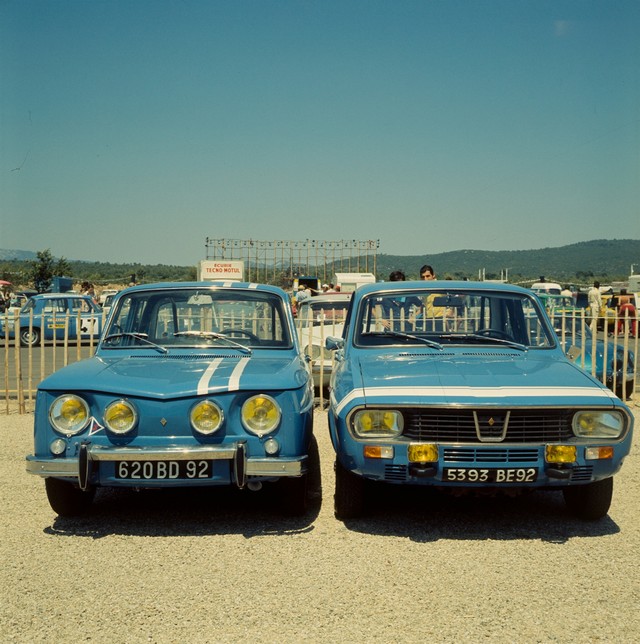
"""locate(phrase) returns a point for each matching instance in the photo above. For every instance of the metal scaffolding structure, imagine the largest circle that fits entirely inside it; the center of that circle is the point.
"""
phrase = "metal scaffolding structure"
(279, 262)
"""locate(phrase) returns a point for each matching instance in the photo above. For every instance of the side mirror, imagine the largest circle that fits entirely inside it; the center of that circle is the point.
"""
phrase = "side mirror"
(334, 344)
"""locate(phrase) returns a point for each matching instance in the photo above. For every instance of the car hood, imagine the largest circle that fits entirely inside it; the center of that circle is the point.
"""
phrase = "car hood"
(179, 376)
(477, 380)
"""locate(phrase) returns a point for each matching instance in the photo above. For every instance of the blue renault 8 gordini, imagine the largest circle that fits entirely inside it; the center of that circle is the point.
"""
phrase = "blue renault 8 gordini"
(192, 384)
(465, 387)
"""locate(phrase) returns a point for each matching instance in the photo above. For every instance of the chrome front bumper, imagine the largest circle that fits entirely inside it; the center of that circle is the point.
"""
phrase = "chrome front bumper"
(80, 467)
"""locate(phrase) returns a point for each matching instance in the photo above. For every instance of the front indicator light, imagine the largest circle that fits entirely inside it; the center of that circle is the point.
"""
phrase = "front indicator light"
(271, 446)
(423, 453)
(598, 424)
(378, 451)
(120, 417)
(206, 417)
(560, 453)
(377, 423)
(260, 415)
(598, 453)
(69, 414)
(58, 446)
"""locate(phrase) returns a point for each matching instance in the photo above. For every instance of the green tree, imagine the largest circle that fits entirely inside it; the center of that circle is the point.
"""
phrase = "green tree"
(45, 268)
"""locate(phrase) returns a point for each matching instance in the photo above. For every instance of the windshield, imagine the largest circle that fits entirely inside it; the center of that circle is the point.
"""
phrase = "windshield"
(197, 317)
(437, 318)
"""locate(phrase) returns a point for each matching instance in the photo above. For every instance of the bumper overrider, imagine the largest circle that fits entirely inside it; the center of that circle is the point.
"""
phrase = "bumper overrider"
(84, 465)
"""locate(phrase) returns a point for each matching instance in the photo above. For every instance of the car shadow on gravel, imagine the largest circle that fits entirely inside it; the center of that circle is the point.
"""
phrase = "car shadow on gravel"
(426, 515)
(187, 512)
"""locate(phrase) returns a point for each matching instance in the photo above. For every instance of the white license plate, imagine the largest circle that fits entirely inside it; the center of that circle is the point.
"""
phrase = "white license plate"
(490, 475)
(169, 470)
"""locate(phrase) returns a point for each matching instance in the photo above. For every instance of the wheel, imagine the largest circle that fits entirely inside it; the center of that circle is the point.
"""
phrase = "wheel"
(29, 338)
(292, 494)
(591, 501)
(349, 497)
(66, 499)
(231, 332)
(494, 333)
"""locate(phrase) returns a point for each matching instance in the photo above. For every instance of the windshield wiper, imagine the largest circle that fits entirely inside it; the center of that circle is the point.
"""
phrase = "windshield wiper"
(214, 336)
(486, 338)
(406, 336)
(143, 337)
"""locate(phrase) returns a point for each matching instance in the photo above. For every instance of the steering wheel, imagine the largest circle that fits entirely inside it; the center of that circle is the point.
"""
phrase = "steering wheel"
(494, 333)
(233, 332)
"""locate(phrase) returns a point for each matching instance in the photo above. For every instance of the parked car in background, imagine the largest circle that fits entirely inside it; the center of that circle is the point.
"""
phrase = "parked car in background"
(318, 318)
(54, 315)
(467, 390)
(578, 344)
(192, 384)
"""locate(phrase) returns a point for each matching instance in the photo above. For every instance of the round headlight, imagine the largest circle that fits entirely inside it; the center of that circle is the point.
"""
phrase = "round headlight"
(314, 351)
(260, 415)
(120, 417)
(377, 423)
(206, 417)
(598, 424)
(69, 414)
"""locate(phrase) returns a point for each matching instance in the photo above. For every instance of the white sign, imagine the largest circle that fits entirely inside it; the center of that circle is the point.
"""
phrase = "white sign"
(220, 269)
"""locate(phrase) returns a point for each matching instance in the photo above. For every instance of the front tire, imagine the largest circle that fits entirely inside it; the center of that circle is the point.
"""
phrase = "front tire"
(349, 498)
(591, 501)
(66, 499)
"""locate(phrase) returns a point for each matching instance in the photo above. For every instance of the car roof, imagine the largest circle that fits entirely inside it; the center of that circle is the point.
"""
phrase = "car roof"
(222, 284)
(440, 285)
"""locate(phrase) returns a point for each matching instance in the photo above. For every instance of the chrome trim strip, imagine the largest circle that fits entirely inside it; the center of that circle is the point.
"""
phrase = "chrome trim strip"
(276, 467)
(63, 468)
(265, 467)
(202, 452)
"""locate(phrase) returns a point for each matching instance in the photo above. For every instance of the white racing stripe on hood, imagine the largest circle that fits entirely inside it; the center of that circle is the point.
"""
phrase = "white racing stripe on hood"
(449, 393)
(205, 379)
(234, 380)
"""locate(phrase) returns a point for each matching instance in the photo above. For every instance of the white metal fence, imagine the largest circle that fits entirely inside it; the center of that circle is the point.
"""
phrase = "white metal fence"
(24, 367)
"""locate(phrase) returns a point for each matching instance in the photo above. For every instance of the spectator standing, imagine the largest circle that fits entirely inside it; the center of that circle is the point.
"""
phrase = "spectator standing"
(594, 299)
(626, 312)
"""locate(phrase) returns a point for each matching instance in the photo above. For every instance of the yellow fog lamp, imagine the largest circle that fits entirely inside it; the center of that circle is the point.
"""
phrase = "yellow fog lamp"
(422, 453)
(560, 453)
(206, 417)
(598, 453)
(378, 451)
(120, 417)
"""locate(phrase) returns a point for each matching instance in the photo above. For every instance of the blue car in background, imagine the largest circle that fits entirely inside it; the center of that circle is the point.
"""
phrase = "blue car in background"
(465, 387)
(192, 384)
(53, 315)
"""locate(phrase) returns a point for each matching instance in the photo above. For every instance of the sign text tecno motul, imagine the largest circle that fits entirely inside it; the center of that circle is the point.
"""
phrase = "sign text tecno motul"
(222, 270)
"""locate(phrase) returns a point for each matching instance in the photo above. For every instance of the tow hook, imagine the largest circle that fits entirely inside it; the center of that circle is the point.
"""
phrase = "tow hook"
(84, 466)
(240, 464)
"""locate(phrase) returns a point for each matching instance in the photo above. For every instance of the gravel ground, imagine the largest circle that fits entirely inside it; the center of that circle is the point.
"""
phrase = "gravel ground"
(218, 566)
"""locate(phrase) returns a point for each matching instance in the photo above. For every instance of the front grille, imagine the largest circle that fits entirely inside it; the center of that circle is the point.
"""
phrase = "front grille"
(459, 426)
(489, 455)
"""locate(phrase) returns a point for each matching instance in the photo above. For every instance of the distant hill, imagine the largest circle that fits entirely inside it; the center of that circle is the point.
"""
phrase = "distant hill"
(16, 255)
(606, 260)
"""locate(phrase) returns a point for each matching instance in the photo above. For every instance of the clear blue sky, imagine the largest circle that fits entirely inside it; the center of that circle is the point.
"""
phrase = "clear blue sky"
(132, 130)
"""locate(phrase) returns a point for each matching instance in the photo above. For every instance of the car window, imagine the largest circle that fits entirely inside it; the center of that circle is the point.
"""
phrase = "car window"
(451, 317)
(194, 317)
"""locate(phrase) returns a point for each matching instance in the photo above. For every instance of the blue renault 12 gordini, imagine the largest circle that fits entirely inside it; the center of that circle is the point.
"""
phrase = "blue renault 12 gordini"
(192, 384)
(458, 385)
